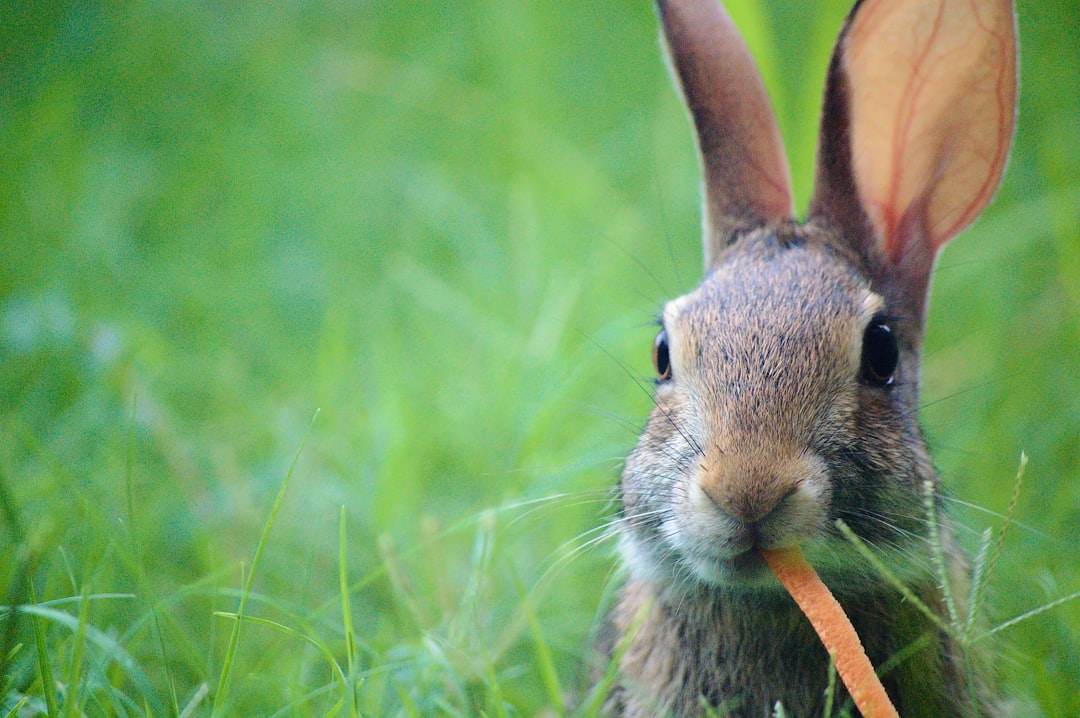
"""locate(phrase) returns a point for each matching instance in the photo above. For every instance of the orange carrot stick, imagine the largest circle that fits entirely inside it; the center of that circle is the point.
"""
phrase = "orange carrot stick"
(835, 630)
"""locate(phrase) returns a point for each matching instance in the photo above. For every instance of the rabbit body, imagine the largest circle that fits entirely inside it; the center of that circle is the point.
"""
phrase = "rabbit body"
(787, 387)
(741, 654)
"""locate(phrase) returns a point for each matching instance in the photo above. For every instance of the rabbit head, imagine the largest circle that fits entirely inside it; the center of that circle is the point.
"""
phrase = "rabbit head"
(787, 386)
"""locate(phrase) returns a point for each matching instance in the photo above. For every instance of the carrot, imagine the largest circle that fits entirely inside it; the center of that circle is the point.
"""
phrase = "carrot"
(835, 630)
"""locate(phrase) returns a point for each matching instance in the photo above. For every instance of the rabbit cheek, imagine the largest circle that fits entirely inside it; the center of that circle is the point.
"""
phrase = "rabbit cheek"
(651, 484)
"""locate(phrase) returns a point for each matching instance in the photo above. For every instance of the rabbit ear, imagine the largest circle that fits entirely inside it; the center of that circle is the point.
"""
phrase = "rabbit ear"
(919, 112)
(747, 182)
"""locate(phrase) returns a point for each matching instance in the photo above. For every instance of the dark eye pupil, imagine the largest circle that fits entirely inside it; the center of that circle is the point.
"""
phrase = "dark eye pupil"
(660, 358)
(880, 354)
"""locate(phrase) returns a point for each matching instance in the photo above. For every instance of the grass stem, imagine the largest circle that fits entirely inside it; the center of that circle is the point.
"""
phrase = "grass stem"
(221, 695)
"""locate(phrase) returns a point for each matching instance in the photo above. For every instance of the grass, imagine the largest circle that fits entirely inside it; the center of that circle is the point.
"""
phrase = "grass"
(446, 229)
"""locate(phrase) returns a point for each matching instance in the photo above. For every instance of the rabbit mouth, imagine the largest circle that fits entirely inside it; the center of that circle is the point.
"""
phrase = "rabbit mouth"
(733, 557)
(746, 570)
(727, 556)
(690, 557)
(717, 548)
(686, 568)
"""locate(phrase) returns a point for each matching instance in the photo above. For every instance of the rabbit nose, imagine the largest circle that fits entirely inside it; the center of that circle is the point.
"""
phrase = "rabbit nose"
(748, 500)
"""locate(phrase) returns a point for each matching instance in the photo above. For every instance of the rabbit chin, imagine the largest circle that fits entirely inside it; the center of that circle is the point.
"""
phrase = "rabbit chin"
(681, 573)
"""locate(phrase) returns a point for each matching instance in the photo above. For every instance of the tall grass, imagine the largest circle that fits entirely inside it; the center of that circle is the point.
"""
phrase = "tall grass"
(446, 228)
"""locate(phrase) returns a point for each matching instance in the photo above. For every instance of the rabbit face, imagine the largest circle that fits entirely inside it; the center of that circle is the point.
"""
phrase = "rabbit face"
(759, 437)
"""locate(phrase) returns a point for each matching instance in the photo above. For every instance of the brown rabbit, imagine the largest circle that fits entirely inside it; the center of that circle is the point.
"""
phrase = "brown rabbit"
(787, 386)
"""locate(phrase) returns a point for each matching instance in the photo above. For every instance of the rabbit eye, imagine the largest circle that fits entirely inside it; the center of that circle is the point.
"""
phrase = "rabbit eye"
(661, 359)
(880, 354)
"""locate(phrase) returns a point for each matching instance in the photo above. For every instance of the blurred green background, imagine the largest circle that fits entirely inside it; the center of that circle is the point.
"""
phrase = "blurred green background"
(446, 226)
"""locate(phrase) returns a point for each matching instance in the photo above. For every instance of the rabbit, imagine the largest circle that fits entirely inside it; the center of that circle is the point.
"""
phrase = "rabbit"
(787, 382)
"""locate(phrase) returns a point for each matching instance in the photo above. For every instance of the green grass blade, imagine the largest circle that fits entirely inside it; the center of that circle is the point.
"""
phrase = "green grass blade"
(106, 644)
(978, 580)
(710, 711)
(407, 703)
(937, 554)
(48, 685)
(222, 693)
(66, 600)
(830, 689)
(407, 607)
(1014, 499)
(594, 701)
(200, 694)
(20, 557)
(174, 702)
(496, 700)
(346, 611)
(542, 651)
(129, 488)
(891, 577)
(321, 647)
(14, 712)
(1029, 614)
(482, 553)
(897, 659)
(71, 695)
(136, 560)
